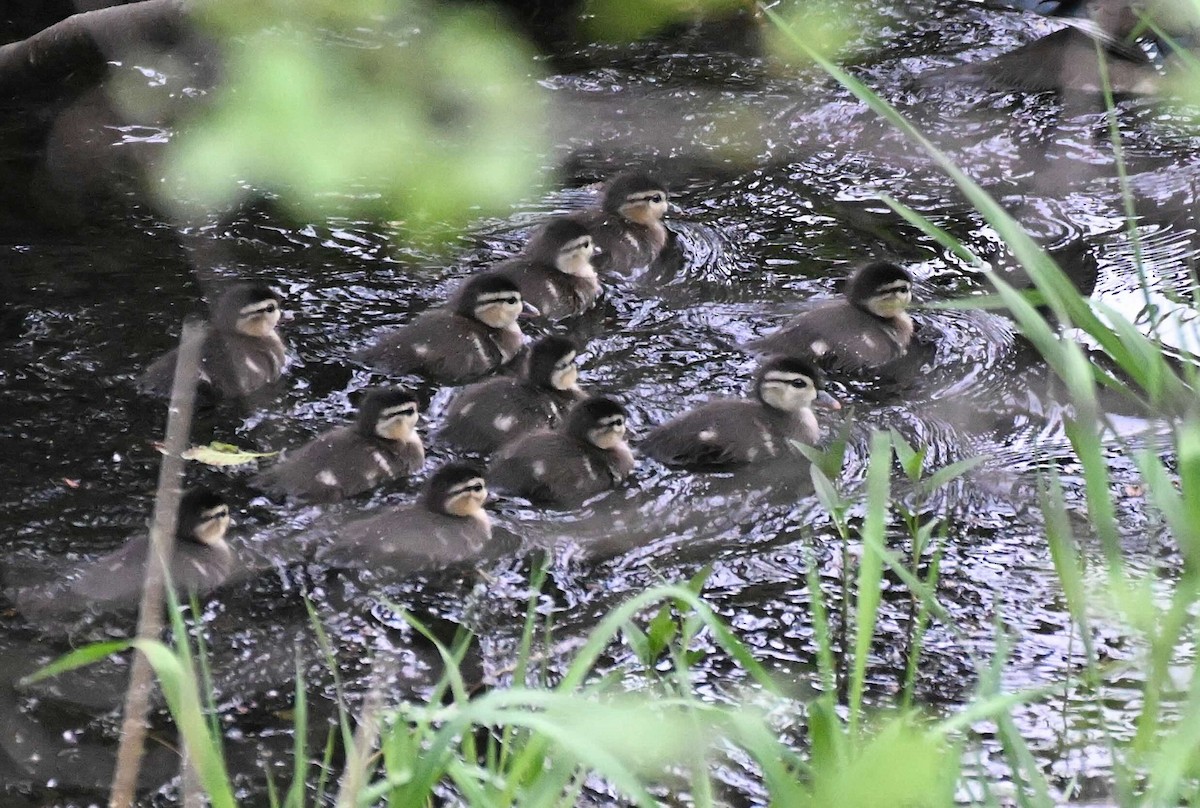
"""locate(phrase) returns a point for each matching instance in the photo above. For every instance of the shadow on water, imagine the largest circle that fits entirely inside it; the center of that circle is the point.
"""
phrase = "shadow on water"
(774, 217)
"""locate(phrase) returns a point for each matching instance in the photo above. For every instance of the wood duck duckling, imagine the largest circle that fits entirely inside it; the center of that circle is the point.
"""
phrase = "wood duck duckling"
(447, 525)
(585, 456)
(381, 445)
(201, 561)
(475, 334)
(628, 227)
(1067, 59)
(866, 331)
(555, 274)
(486, 415)
(731, 432)
(241, 351)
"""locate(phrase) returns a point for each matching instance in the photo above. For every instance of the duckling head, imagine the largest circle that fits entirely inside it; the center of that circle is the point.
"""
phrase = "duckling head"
(390, 414)
(637, 197)
(457, 489)
(252, 309)
(791, 384)
(881, 288)
(203, 518)
(565, 244)
(552, 364)
(491, 299)
(599, 421)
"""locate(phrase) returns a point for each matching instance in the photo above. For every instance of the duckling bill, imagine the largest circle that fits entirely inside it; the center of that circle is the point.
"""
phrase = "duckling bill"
(555, 274)
(585, 456)
(446, 526)
(732, 432)
(241, 351)
(343, 462)
(628, 227)
(471, 337)
(201, 561)
(485, 415)
(863, 332)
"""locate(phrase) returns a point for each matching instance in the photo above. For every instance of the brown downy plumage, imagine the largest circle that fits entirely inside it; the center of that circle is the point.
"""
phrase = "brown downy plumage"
(865, 331)
(730, 432)
(381, 445)
(471, 337)
(201, 561)
(447, 525)
(628, 227)
(486, 415)
(555, 272)
(241, 351)
(586, 455)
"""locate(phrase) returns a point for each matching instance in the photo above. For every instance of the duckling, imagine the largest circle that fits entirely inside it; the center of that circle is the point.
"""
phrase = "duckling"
(628, 227)
(241, 351)
(476, 334)
(729, 432)
(555, 273)
(201, 561)
(586, 455)
(865, 331)
(447, 525)
(1066, 60)
(348, 460)
(486, 415)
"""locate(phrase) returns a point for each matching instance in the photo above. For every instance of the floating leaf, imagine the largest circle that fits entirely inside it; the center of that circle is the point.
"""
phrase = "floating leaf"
(223, 454)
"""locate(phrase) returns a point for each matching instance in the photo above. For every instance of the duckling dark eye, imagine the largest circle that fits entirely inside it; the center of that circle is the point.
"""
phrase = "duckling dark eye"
(270, 308)
(799, 383)
(656, 198)
(473, 488)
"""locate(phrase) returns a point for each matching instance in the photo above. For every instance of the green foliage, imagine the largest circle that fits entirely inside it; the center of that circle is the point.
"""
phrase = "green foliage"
(623, 20)
(402, 110)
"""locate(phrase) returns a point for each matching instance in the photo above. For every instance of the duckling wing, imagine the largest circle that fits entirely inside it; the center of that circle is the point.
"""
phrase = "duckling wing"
(407, 539)
(552, 469)
(338, 464)
(717, 434)
(622, 247)
(487, 415)
(839, 337)
(439, 344)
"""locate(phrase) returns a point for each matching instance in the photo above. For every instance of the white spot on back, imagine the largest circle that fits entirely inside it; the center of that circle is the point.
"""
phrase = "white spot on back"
(326, 477)
(382, 462)
(480, 349)
(707, 435)
(420, 349)
(252, 365)
(504, 422)
(768, 442)
(539, 468)
(467, 408)
(819, 348)
(868, 340)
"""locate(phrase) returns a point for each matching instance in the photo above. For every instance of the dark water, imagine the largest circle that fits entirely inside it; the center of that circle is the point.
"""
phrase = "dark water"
(776, 174)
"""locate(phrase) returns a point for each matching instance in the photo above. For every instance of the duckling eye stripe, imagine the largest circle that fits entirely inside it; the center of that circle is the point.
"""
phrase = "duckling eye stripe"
(215, 513)
(577, 244)
(785, 378)
(392, 412)
(656, 196)
(257, 308)
(892, 287)
(472, 486)
(499, 297)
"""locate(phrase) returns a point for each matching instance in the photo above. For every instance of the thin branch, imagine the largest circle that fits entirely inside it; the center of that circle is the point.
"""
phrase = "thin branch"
(158, 560)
